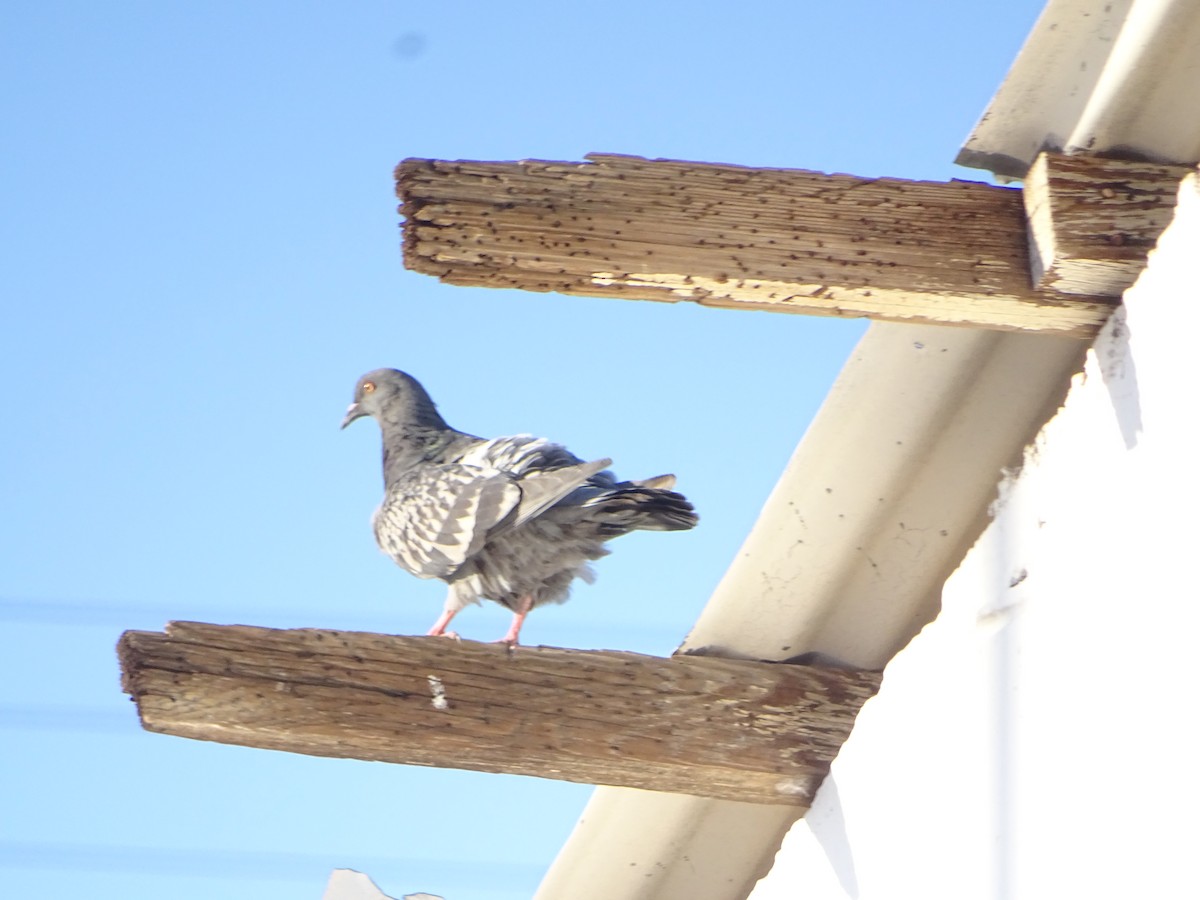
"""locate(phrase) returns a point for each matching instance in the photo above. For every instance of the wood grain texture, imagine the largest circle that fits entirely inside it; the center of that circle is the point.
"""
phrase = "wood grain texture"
(757, 732)
(1093, 221)
(786, 240)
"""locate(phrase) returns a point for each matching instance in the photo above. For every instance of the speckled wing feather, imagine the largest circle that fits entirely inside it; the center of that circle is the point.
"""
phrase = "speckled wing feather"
(547, 472)
(436, 517)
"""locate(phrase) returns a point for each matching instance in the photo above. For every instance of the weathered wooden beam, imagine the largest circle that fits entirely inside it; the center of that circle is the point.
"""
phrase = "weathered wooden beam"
(1093, 221)
(758, 732)
(787, 240)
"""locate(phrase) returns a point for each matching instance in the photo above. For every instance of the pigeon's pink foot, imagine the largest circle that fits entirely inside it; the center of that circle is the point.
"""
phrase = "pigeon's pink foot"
(439, 627)
(514, 630)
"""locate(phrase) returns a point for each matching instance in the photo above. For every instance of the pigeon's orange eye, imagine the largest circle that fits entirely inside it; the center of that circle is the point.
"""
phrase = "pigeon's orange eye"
(368, 387)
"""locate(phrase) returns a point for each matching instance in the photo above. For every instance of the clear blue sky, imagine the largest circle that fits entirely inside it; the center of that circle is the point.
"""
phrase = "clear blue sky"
(201, 255)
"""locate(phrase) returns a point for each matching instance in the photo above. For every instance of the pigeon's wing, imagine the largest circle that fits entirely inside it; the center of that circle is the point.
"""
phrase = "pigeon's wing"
(543, 488)
(437, 517)
(546, 472)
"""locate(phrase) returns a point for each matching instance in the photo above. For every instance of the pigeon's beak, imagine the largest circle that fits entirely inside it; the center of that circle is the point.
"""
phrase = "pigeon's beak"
(354, 412)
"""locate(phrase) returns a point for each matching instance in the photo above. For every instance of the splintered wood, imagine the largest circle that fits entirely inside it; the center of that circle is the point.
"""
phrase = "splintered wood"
(757, 732)
(787, 240)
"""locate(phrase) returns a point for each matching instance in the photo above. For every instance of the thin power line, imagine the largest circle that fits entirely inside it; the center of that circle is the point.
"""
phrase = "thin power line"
(121, 616)
(78, 719)
(242, 864)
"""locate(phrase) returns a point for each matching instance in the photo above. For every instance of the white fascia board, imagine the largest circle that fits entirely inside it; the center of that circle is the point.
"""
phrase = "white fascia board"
(879, 503)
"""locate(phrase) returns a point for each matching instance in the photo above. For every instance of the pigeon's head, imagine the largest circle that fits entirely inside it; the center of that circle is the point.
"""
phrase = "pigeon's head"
(389, 395)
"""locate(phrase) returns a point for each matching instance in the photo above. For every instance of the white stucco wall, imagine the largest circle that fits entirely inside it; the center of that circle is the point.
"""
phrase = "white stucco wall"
(1041, 738)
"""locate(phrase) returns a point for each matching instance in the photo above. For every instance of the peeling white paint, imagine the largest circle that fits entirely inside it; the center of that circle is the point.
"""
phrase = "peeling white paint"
(839, 300)
(793, 787)
(438, 692)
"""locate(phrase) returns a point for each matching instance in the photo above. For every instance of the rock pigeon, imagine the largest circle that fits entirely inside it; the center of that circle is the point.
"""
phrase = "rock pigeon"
(514, 519)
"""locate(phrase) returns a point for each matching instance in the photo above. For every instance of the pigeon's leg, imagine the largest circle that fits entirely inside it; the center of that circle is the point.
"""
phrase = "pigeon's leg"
(519, 614)
(439, 627)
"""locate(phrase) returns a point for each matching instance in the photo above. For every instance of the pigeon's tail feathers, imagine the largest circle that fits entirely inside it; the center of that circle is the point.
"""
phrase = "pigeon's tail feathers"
(664, 482)
(635, 507)
(667, 511)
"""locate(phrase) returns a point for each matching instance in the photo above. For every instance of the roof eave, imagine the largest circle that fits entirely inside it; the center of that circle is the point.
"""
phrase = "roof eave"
(1104, 77)
(882, 498)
